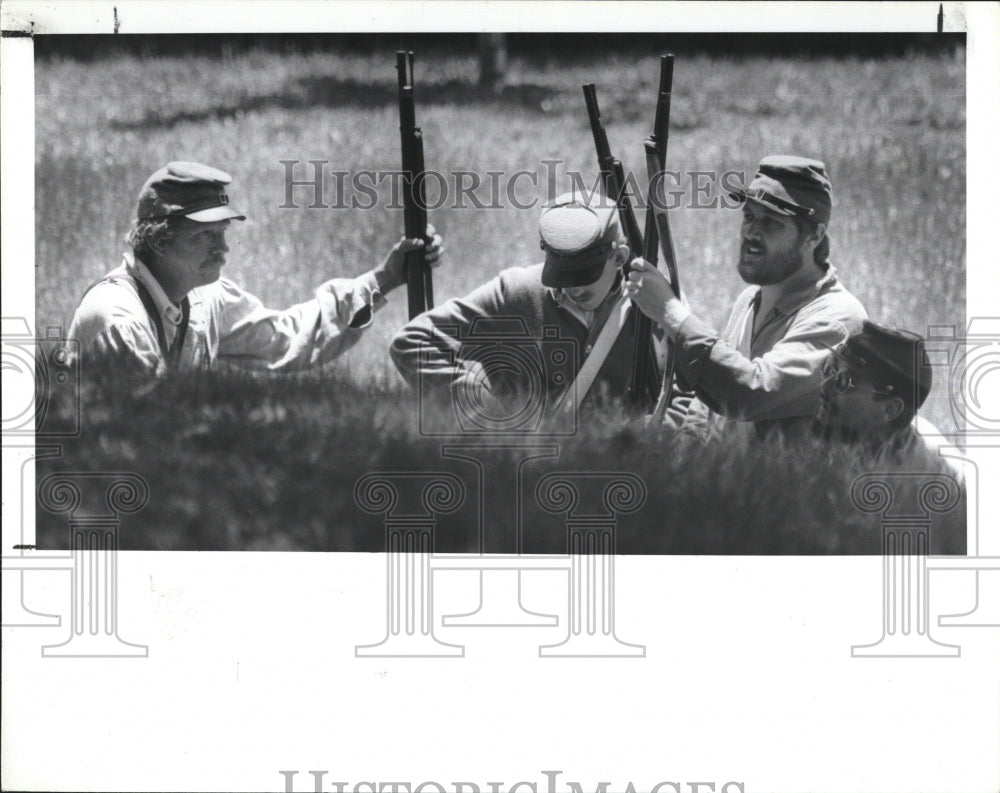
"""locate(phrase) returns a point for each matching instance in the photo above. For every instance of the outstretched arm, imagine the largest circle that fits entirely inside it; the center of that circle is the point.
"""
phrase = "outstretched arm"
(784, 382)
(312, 333)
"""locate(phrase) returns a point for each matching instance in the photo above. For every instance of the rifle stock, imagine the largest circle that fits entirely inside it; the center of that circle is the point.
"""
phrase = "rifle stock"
(419, 281)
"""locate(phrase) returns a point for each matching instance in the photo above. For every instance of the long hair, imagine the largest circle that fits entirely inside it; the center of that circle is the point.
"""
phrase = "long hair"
(821, 253)
(145, 236)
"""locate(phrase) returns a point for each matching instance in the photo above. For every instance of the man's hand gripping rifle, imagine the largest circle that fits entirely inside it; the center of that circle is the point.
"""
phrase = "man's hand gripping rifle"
(642, 382)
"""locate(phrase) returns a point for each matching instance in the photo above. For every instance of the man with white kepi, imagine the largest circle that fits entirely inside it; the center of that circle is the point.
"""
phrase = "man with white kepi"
(574, 296)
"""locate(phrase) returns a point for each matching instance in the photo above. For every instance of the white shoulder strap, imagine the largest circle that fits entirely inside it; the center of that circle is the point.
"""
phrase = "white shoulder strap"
(613, 325)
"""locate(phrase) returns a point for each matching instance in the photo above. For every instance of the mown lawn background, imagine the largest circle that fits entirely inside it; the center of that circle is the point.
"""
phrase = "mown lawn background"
(271, 465)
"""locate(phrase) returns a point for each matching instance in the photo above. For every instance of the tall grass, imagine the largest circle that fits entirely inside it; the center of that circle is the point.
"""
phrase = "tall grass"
(237, 462)
(890, 130)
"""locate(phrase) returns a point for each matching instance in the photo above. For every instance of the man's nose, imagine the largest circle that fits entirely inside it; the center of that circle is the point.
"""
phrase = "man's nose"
(220, 246)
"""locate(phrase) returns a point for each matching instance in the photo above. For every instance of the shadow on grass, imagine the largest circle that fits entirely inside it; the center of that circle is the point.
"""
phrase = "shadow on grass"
(334, 92)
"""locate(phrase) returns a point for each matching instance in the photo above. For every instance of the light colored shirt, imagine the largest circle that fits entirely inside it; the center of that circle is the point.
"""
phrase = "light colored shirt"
(770, 376)
(227, 325)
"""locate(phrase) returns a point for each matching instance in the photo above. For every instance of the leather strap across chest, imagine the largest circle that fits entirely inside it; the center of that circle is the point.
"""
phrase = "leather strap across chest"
(171, 353)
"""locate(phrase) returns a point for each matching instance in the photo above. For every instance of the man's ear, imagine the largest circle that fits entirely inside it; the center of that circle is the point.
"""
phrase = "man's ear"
(815, 237)
(891, 408)
(622, 254)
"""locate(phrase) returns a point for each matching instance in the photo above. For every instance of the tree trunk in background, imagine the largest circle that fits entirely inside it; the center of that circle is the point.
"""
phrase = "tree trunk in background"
(492, 61)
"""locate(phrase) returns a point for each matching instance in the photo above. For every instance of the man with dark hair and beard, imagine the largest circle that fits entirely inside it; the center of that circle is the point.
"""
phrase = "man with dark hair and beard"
(763, 370)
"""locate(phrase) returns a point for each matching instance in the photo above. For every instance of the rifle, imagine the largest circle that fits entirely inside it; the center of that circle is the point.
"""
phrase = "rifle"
(657, 225)
(641, 394)
(419, 284)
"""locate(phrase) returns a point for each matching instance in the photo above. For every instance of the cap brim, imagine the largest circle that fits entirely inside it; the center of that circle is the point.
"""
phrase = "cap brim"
(742, 197)
(214, 214)
(860, 368)
(554, 276)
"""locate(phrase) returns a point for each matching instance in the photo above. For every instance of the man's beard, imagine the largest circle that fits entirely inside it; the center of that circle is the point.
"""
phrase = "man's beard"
(771, 268)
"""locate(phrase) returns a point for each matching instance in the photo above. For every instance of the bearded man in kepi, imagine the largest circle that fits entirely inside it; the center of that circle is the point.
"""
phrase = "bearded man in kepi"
(762, 372)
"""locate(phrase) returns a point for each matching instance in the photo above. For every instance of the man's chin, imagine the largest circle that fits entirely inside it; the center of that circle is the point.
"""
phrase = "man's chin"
(750, 274)
(209, 275)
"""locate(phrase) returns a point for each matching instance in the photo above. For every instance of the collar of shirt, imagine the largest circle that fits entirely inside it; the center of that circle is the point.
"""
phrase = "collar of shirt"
(171, 312)
(792, 301)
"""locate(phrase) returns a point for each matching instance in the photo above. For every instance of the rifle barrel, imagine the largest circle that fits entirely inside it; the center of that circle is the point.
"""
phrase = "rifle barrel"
(418, 273)
(641, 383)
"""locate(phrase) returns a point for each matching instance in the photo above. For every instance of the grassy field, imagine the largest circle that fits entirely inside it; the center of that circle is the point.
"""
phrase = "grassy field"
(270, 465)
